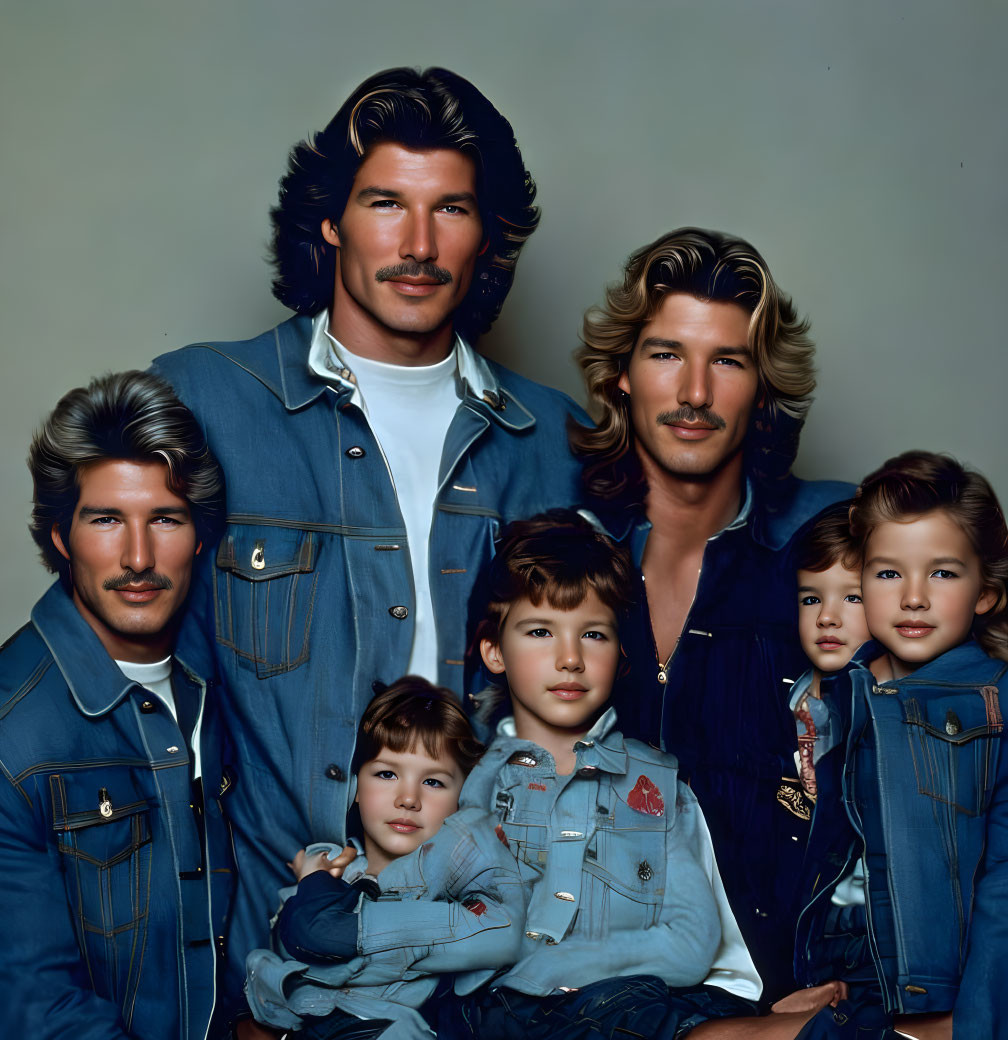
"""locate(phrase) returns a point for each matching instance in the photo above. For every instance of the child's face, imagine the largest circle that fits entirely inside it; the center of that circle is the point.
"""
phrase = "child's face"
(831, 618)
(404, 797)
(922, 586)
(560, 664)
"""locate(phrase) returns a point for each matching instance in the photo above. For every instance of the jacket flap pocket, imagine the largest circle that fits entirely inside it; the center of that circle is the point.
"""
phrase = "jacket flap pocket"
(260, 553)
(95, 799)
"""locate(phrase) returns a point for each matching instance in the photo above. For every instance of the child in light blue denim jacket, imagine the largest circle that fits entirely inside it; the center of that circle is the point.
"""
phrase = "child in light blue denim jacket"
(435, 893)
(628, 927)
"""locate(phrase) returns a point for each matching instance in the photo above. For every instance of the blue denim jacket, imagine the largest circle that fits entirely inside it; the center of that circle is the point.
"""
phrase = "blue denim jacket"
(920, 783)
(310, 595)
(721, 706)
(618, 863)
(455, 904)
(110, 920)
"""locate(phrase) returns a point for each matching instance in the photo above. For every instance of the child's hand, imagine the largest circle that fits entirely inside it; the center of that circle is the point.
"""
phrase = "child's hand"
(302, 865)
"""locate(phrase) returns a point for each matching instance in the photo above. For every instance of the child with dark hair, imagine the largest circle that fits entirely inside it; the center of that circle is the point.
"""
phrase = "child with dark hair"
(628, 926)
(369, 940)
(831, 626)
(910, 829)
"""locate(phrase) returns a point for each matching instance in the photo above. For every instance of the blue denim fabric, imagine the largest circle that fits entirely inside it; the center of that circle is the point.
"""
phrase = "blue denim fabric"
(723, 709)
(921, 784)
(110, 924)
(310, 595)
(455, 905)
(616, 860)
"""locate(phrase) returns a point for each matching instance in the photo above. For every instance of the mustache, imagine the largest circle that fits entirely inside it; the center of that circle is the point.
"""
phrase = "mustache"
(414, 269)
(687, 413)
(128, 577)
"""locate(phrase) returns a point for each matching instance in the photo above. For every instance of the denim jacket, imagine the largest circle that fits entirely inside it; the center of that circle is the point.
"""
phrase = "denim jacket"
(455, 904)
(919, 785)
(112, 917)
(618, 863)
(310, 596)
(721, 704)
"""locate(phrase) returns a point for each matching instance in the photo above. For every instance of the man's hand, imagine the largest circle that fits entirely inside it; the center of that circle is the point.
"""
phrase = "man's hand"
(813, 999)
(302, 865)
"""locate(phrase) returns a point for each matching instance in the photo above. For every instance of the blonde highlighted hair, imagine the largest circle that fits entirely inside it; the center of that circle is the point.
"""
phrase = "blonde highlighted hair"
(709, 265)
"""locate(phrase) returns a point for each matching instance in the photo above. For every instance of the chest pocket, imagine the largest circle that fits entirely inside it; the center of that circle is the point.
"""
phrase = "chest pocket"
(264, 596)
(954, 743)
(624, 865)
(103, 833)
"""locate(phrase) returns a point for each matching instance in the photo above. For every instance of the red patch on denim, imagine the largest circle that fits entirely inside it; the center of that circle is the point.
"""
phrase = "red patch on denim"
(646, 797)
(475, 906)
(536, 787)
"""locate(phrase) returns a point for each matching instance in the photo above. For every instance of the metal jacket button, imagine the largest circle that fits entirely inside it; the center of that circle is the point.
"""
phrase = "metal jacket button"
(147, 707)
(334, 772)
(398, 612)
(355, 452)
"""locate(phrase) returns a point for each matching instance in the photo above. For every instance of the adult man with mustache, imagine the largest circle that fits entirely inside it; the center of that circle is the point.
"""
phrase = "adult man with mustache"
(116, 860)
(371, 454)
(702, 372)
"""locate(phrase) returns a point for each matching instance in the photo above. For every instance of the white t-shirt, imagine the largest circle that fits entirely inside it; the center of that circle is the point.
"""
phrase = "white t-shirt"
(156, 678)
(409, 410)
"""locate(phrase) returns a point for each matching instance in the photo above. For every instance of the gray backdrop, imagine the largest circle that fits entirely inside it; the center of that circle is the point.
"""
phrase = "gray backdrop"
(860, 145)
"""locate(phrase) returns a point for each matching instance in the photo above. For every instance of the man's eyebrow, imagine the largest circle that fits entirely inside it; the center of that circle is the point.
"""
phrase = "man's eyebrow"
(449, 199)
(114, 511)
(674, 344)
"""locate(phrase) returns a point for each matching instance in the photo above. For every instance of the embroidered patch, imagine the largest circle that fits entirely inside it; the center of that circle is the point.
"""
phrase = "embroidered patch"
(475, 906)
(533, 786)
(646, 798)
(793, 797)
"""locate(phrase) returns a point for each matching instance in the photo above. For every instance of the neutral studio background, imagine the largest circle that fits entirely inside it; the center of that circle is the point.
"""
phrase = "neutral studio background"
(860, 145)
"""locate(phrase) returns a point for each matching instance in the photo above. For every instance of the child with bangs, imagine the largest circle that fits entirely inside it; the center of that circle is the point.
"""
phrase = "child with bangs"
(907, 880)
(628, 930)
(376, 939)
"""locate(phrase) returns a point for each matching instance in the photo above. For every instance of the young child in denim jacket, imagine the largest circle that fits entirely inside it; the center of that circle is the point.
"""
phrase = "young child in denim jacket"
(435, 891)
(831, 626)
(910, 828)
(628, 926)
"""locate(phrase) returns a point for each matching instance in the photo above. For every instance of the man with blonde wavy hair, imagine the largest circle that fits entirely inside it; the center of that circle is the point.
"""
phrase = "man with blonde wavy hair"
(701, 373)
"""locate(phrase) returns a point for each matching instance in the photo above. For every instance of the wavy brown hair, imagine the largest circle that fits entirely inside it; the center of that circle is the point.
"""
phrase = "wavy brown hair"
(709, 265)
(919, 482)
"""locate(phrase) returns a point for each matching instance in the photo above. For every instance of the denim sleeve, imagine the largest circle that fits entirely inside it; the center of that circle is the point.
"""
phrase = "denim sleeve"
(48, 993)
(981, 1008)
(679, 948)
(473, 916)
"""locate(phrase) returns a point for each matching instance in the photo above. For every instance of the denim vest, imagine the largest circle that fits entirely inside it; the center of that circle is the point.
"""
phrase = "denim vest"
(309, 597)
(112, 916)
(923, 785)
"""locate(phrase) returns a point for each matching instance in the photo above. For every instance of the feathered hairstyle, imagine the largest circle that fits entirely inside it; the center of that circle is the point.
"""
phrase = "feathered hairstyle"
(431, 109)
(709, 265)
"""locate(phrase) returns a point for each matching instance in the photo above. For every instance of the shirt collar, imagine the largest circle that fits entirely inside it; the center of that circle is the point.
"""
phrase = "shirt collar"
(330, 360)
(600, 748)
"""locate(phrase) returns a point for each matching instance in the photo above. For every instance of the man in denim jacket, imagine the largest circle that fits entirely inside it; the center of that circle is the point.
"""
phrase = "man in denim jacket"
(370, 454)
(116, 869)
(703, 373)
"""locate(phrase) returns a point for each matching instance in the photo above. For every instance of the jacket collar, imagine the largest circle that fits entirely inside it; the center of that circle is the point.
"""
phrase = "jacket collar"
(94, 679)
(601, 748)
(967, 662)
(286, 373)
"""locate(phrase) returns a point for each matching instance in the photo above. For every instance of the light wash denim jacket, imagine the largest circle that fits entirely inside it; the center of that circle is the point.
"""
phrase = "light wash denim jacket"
(618, 863)
(455, 904)
(110, 917)
(310, 593)
(920, 783)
